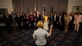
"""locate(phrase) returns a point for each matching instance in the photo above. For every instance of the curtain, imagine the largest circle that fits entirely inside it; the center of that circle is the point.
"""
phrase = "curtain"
(28, 5)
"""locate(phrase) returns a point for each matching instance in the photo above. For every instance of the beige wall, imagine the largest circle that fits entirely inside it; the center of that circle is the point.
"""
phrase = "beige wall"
(6, 4)
(72, 3)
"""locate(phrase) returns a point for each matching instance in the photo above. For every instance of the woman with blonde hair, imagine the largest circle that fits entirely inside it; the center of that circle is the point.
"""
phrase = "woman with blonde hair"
(40, 34)
(67, 21)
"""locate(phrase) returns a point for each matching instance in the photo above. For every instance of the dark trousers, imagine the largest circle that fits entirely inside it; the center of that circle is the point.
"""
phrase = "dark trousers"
(19, 26)
(71, 26)
(50, 23)
(63, 25)
(27, 25)
(8, 27)
(31, 24)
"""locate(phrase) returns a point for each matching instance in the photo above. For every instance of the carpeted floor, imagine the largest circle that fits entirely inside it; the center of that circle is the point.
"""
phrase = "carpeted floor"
(24, 38)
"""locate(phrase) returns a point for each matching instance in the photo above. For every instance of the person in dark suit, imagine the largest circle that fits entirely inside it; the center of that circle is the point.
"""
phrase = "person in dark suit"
(18, 20)
(8, 20)
(24, 19)
(57, 20)
(31, 20)
(62, 21)
(38, 17)
(21, 18)
(13, 24)
(51, 19)
(42, 15)
(34, 19)
(27, 21)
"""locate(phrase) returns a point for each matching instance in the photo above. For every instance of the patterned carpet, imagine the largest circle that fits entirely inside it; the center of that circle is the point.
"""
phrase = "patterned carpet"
(24, 38)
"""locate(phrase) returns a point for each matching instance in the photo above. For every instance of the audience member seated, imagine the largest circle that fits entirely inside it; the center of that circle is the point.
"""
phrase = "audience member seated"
(40, 34)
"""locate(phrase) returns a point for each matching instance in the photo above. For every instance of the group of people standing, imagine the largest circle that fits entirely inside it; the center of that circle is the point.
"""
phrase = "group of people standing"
(61, 21)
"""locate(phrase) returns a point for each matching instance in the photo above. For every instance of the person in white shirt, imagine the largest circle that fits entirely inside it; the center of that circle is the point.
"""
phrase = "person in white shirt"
(40, 34)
